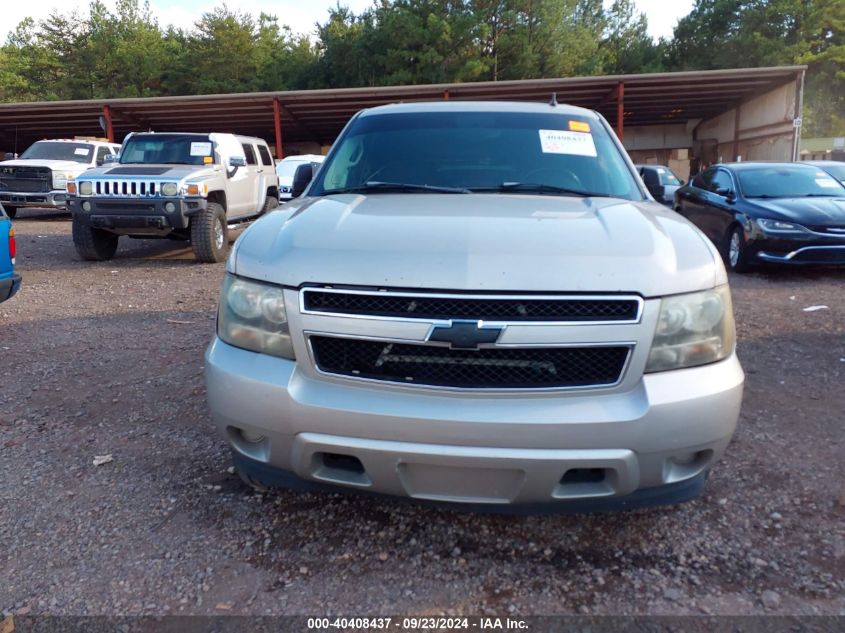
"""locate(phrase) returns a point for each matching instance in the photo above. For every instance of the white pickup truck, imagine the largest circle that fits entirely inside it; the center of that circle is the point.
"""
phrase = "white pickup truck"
(39, 177)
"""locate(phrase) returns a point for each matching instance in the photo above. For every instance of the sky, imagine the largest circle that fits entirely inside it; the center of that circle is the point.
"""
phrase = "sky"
(300, 15)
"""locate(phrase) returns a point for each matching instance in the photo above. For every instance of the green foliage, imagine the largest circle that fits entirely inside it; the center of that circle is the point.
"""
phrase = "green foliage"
(124, 52)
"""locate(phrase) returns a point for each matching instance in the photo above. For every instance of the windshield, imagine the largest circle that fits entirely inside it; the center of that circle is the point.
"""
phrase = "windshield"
(837, 170)
(549, 153)
(168, 149)
(52, 150)
(793, 181)
(667, 177)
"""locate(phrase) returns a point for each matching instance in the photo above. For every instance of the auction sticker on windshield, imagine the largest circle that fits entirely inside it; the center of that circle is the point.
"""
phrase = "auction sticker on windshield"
(200, 149)
(563, 142)
(81, 151)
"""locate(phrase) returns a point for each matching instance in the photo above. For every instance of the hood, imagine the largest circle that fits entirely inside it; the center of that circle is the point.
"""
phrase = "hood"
(480, 242)
(55, 165)
(806, 211)
(151, 172)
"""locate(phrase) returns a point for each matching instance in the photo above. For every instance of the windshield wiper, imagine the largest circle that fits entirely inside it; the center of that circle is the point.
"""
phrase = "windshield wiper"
(375, 185)
(532, 187)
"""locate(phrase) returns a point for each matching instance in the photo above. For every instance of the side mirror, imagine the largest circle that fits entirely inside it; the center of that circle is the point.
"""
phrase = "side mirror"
(301, 179)
(237, 161)
(10, 156)
(725, 193)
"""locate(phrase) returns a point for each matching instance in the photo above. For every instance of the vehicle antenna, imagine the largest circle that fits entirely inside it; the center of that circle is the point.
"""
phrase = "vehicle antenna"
(553, 100)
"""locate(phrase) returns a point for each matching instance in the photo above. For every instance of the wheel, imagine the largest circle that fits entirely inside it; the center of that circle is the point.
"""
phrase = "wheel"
(11, 211)
(270, 203)
(95, 245)
(210, 234)
(736, 251)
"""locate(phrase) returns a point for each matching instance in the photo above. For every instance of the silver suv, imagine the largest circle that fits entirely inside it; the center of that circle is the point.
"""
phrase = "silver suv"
(173, 185)
(477, 303)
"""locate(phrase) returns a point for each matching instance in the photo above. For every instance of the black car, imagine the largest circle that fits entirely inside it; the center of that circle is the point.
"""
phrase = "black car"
(755, 213)
(835, 168)
(661, 182)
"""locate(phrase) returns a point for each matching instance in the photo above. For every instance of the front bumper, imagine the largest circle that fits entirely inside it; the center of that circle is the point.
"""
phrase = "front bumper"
(814, 249)
(9, 287)
(135, 215)
(48, 200)
(464, 448)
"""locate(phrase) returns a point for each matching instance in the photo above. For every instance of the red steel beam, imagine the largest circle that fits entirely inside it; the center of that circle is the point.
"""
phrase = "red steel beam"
(109, 127)
(620, 110)
(277, 123)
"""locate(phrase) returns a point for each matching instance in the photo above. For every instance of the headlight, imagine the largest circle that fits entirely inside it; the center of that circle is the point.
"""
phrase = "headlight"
(59, 181)
(169, 189)
(252, 316)
(86, 188)
(693, 329)
(777, 226)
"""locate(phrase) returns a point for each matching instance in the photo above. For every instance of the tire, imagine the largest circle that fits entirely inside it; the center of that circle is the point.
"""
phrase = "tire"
(736, 253)
(210, 234)
(269, 204)
(92, 244)
(11, 211)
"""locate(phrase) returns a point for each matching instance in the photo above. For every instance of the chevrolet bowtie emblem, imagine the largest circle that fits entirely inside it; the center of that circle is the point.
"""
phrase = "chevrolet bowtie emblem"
(465, 334)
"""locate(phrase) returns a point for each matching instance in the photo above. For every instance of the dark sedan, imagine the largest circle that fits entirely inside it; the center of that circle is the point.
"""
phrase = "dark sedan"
(755, 213)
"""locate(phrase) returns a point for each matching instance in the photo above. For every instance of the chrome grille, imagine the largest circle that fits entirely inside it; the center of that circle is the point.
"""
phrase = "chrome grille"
(126, 188)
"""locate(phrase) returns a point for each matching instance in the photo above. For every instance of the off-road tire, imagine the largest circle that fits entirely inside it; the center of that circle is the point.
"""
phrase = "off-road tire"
(11, 211)
(95, 245)
(269, 204)
(210, 234)
(736, 253)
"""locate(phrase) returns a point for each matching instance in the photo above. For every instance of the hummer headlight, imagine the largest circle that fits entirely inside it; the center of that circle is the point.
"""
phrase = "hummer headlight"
(169, 189)
(86, 188)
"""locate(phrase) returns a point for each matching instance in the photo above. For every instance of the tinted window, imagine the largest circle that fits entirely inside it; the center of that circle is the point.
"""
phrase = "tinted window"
(788, 181)
(102, 152)
(721, 180)
(702, 180)
(167, 149)
(649, 176)
(52, 150)
(250, 154)
(266, 159)
(667, 177)
(478, 150)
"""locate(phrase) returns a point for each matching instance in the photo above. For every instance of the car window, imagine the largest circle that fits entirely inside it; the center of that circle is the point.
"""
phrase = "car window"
(667, 177)
(788, 181)
(250, 154)
(702, 180)
(266, 159)
(171, 149)
(649, 176)
(102, 152)
(478, 151)
(721, 180)
(837, 170)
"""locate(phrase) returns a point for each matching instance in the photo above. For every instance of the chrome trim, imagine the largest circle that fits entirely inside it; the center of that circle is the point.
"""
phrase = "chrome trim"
(789, 256)
(631, 345)
(490, 323)
(124, 187)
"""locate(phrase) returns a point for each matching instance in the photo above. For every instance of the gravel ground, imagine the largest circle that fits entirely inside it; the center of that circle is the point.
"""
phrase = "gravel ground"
(106, 359)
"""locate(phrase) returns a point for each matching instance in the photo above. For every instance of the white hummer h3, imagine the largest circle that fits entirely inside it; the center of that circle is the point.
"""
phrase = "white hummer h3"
(173, 185)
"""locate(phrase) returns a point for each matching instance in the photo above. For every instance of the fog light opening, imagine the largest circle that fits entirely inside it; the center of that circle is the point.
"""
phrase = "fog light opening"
(252, 437)
(169, 207)
(686, 465)
(339, 468)
(86, 206)
(586, 482)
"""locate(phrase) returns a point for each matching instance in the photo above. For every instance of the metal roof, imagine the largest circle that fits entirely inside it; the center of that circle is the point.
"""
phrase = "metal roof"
(319, 115)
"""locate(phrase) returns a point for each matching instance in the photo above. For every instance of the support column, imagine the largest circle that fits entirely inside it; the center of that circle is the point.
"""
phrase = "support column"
(736, 131)
(109, 127)
(277, 123)
(620, 110)
(799, 109)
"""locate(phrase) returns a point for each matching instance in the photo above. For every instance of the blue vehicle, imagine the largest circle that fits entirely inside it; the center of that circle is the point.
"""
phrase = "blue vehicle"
(10, 282)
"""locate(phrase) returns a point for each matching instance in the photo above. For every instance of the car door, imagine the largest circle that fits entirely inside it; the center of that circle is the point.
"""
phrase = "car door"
(691, 199)
(255, 171)
(718, 212)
